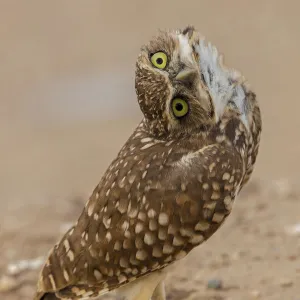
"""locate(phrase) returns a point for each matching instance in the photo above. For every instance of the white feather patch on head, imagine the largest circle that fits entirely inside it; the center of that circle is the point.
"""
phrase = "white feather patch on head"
(185, 49)
(223, 84)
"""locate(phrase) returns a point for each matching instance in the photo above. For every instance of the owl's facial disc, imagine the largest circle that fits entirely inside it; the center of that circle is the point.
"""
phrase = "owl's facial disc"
(167, 69)
(178, 65)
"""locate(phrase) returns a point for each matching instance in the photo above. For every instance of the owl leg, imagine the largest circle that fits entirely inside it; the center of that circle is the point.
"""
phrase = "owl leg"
(159, 292)
(141, 289)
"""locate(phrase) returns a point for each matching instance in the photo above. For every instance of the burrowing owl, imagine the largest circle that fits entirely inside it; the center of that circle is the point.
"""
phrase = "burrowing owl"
(173, 183)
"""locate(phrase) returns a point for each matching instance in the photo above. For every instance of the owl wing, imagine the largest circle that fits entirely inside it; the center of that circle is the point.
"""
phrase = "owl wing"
(147, 212)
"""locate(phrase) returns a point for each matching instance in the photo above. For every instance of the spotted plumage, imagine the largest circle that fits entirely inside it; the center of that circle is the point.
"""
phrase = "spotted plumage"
(173, 183)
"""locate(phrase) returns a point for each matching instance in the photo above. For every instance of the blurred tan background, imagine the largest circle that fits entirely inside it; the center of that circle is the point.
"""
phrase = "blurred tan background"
(67, 104)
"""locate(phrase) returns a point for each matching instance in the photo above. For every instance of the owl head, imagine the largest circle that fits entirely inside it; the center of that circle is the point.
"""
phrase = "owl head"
(182, 85)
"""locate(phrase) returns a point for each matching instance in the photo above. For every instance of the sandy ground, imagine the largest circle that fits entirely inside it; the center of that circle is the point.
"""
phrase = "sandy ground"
(67, 106)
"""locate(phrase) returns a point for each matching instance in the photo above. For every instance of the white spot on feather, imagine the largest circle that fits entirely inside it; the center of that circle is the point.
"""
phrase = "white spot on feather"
(66, 275)
(146, 140)
(67, 245)
(52, 281)
(147, 146)
(108, 236)
(70, 254)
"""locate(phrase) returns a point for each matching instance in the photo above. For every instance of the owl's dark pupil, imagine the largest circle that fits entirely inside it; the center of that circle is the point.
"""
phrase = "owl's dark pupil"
(159, 61)
(179, 107)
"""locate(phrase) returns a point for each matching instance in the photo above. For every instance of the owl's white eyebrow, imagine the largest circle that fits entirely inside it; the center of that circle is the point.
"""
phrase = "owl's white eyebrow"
(185, 48)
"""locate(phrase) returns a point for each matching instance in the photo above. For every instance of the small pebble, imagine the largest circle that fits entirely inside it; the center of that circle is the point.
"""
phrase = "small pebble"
(292, 257)
(7, 283)
(284, 189)
(293, 230)
(257, 258)
(255, 294)
(238, 255)
(215, 284)
(286, 282)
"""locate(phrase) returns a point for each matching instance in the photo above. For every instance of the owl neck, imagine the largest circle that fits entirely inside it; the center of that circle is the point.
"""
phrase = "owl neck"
(224, 85)
(159, 130)
(156, 127)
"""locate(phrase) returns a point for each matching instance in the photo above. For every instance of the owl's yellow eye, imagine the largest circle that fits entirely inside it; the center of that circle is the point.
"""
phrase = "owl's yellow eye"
(180, 107)
(159, 60)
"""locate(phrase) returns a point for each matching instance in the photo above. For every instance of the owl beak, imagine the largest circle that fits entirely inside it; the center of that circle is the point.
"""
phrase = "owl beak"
(186, 74)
